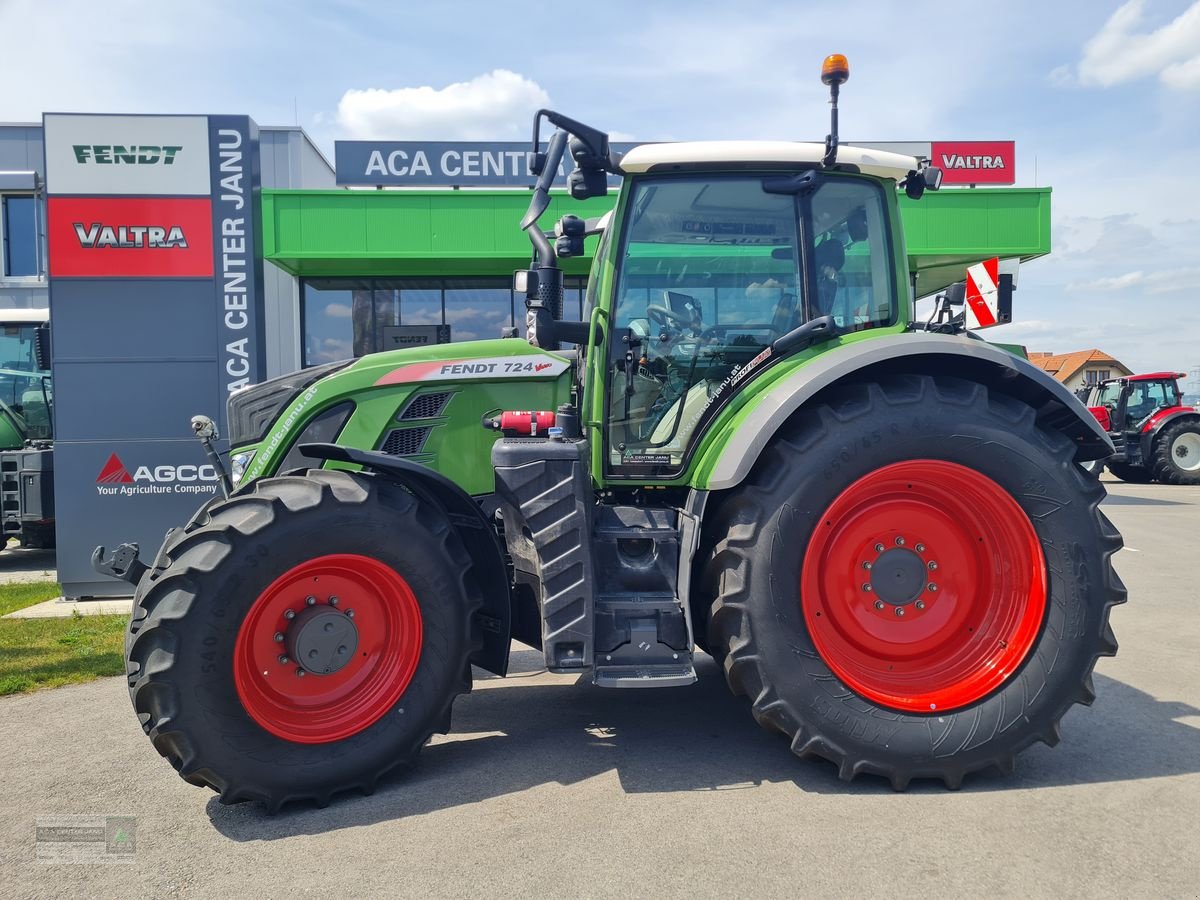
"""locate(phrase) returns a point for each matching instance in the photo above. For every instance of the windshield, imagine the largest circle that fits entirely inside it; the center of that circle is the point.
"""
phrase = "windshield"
(711, 272)
(24, 388)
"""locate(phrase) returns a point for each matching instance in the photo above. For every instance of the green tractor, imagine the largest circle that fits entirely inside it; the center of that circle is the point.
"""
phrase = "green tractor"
(880, 531)
(26, 428)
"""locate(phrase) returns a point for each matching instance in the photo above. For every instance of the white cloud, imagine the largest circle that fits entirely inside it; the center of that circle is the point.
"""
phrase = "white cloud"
(338, 311)
(496, 105)
(1122, 51)
(1162, 281)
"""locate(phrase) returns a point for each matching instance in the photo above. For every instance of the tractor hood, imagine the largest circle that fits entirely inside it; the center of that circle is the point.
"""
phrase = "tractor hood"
(272, 417)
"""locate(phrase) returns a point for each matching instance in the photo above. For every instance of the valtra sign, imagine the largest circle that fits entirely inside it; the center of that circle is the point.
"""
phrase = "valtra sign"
(135, 237)
(975, 162)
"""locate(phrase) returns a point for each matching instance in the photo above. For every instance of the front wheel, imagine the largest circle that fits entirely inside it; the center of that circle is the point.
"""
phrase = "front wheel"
(914, 581)
(1177, 453)
(302, 638)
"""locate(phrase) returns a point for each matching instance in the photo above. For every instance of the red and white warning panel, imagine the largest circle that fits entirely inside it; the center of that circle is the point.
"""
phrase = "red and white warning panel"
(983, 294)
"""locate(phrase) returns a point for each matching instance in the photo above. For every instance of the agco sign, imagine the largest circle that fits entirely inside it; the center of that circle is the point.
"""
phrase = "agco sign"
(115, 479)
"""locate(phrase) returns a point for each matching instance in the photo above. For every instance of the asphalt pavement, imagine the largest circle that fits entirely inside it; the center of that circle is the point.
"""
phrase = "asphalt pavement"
(548, 787)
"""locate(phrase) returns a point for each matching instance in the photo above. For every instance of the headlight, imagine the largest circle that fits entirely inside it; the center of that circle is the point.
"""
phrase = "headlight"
(238, 464)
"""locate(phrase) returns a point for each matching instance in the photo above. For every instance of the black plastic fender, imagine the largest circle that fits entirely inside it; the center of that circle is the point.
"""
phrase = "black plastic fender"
(477, 533)
(964, 356)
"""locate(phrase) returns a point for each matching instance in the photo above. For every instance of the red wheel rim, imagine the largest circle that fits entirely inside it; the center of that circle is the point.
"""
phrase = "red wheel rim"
(954, 553)
(318, 708)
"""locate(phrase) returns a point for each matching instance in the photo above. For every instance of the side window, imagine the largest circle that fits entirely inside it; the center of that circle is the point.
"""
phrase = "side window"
(851, 263)
(709, 277)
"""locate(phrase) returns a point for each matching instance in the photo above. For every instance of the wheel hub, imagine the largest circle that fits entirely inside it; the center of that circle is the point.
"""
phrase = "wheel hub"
(898, 576)
(350, 620)
(321, 640)
(923, 587)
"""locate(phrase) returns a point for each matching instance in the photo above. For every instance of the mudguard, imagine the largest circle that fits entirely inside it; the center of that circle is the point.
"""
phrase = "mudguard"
(1153, 428)
(933, 354)
(464, 514)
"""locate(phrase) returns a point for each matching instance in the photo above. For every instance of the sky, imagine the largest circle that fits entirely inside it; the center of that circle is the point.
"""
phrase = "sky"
(1101, 96)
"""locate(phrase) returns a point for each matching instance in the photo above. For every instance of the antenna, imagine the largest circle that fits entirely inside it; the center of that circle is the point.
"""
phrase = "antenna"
(835, 71)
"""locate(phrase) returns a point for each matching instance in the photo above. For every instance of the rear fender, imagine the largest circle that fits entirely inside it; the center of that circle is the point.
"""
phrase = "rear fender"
(923, 354)
(464, 515)
(1160, 420)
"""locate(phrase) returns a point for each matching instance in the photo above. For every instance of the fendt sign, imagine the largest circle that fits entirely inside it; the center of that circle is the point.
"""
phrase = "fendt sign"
(156, 310)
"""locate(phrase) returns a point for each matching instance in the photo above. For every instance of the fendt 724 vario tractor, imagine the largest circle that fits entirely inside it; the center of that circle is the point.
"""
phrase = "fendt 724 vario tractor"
(1155, 437)
(881, 533)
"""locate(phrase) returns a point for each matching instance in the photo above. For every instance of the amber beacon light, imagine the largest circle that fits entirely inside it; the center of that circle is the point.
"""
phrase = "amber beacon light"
(835, 69)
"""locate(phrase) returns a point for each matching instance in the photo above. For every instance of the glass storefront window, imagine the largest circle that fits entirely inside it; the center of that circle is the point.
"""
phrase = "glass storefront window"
(477, 309)
(421, 306)
(337, 315)
(346, 317)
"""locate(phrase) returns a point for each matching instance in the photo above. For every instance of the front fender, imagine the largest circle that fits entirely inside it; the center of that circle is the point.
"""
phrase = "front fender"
(464, 515)
(899, 354)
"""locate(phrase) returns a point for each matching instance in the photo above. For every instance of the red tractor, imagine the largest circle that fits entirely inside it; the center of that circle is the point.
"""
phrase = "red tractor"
(1156, 437)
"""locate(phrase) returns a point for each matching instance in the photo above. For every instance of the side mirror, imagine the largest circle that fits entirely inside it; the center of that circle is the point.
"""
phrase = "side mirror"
(956, 294)
(586, 183)
(570, 232)
(41, 346)
(932, 176)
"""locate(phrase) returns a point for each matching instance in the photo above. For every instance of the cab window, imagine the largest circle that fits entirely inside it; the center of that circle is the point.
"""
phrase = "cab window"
(711, 272)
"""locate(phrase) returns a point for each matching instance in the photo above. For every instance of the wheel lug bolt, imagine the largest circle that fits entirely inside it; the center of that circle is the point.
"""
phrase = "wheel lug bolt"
(350, 613)
(289, 614)
(867, 564)
(920, 548)
(310, 601)
(867, 587)
(334, 601)
(879, 548)
(299, 673)
(899, 610)
(932, 566)
(899, 542)
(920, 604)
(279, 637)
(283, 660)
(932, 587)
(879, 604)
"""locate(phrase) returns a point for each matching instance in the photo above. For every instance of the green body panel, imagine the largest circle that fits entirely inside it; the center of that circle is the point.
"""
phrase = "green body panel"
(475, 232)
(458, 446)
(12, 429)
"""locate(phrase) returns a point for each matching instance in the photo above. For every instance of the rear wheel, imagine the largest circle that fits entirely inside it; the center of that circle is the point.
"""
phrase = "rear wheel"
(1131, 474)
(1177, 453)
(268, 671)
(914, 581)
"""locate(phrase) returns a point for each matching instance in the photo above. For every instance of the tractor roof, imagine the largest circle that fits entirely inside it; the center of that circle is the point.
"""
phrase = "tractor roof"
(1157, 376)
(659, 157)
(21, 316)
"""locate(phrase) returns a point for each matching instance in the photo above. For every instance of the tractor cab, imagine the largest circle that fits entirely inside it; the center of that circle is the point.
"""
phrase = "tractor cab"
(1155, 436)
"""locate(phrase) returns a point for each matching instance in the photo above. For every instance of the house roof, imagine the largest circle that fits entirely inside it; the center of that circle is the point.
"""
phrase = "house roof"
(1063, 365)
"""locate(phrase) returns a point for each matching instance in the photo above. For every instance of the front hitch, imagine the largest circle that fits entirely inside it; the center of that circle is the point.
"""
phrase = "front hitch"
(123, 563)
